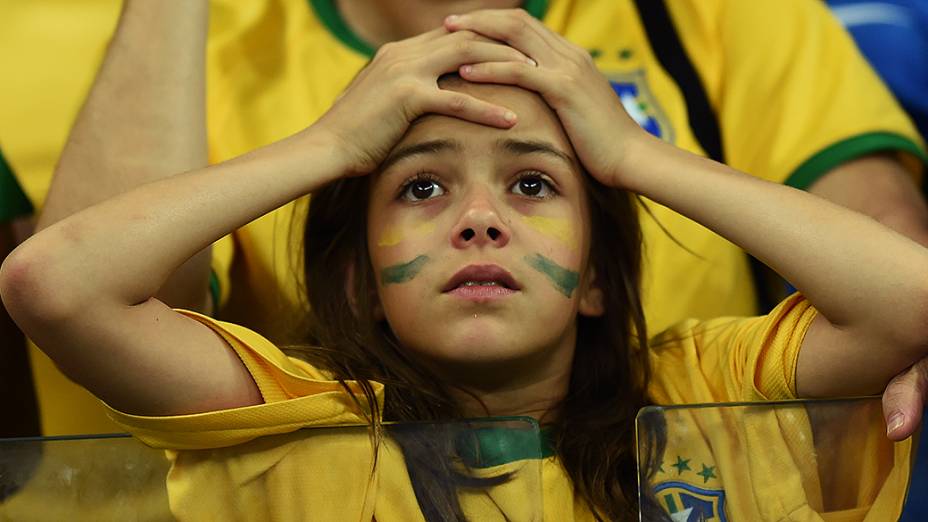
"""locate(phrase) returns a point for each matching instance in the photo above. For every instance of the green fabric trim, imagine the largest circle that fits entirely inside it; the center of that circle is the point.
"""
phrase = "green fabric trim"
(13, 201)
(333, 21)
(214, 289)
(845, 150)
(488, 447)
(536, 8)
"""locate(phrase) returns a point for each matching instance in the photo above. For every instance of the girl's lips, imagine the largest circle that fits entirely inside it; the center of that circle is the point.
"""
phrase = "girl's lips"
(481, 274)
(482, 293)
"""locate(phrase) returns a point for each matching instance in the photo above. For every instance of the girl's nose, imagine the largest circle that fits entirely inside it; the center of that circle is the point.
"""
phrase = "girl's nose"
(480, 224)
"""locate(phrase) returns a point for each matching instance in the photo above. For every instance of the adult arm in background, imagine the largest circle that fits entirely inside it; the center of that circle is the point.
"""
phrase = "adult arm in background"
(143, 120)
(878, 185)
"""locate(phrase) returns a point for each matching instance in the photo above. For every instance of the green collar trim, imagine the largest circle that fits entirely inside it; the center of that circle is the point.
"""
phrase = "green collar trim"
(13, 201)
(333, 21)
(488, 447)
(851, 148)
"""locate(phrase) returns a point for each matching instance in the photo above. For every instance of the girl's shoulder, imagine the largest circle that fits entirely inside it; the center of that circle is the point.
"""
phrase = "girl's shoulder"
(731, 358)
(296, 395)
(259, 354)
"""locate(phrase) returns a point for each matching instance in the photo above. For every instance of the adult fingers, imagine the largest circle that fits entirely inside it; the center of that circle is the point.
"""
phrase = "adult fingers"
(904, 401)
(466, 107)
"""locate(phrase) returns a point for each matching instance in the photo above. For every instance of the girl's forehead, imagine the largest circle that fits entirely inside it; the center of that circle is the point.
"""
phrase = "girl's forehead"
(536, 120)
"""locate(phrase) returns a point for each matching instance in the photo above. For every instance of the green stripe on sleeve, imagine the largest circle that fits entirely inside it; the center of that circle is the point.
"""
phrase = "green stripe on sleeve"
(13, 201)
(851, 148)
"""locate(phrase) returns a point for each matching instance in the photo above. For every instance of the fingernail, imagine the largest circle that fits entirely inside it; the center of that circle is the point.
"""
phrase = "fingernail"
(509, 116)
(451, 19)
(896, 420)
(531, 62)
(467, 69)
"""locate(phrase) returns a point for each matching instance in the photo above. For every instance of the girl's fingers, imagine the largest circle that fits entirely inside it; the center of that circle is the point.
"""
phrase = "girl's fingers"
(465, 107)
(449, 57)
(523, 75)
(515, 27)
(429, 36)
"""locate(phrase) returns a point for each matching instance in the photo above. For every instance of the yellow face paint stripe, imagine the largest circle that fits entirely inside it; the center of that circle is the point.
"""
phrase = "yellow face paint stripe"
(394, 235)
(557, 228)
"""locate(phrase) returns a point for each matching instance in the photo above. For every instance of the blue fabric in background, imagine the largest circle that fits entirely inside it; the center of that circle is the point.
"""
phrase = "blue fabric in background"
(893, 35)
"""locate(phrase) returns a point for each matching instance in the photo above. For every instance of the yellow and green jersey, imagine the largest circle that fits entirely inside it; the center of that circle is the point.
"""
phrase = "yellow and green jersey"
(723, 466)
(775, 89)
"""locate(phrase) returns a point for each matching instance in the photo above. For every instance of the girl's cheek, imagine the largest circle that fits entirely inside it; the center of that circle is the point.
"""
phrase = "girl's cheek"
(393, 234)
(561, 230)
(399, 250)
(553, 251)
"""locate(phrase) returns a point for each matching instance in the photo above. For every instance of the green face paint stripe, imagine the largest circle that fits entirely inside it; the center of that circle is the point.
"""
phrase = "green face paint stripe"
(565, 280)
(403, 272)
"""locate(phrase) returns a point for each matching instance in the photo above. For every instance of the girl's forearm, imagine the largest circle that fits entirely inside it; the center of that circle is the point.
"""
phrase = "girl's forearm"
(121, 251)
(856, 272)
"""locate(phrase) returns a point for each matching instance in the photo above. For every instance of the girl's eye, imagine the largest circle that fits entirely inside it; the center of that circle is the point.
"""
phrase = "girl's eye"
(533, 186)
(421, 189)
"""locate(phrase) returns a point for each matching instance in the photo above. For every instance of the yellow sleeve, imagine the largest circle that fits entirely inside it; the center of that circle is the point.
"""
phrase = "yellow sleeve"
(806, 100)
(731, 359)
(296, 395)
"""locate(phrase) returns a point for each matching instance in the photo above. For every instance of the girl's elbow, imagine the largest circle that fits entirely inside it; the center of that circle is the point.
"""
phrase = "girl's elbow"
(31, 290)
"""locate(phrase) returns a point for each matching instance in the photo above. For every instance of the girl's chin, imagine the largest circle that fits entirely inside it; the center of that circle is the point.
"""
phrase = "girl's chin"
(477, 350)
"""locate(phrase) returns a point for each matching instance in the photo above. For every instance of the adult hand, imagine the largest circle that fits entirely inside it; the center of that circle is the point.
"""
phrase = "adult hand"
(400, 84)
(565, 76)
(904, 401)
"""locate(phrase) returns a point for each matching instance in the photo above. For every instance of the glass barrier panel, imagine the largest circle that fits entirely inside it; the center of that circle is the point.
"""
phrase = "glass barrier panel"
(470, 470)
(825, 460)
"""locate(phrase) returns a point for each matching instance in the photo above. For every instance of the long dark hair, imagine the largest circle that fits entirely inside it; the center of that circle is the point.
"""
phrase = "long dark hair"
(594, 436)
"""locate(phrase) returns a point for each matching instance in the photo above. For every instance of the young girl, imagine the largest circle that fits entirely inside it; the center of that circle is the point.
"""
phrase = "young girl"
(488, 266)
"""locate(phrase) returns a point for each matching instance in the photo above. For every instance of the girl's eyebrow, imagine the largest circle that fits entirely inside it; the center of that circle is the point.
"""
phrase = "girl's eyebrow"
(426, 147)
(534, 147)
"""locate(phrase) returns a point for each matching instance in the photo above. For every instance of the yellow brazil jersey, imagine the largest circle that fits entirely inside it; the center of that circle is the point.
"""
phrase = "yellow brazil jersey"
(717, 470)
(275, 66)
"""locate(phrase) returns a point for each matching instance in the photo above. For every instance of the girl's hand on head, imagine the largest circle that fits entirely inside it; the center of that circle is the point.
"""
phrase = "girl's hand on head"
(400, 84)
(592, 115)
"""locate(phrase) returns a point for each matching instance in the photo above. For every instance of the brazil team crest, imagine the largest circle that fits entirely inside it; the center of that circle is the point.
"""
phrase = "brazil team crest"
(687, 503)
(640, 103)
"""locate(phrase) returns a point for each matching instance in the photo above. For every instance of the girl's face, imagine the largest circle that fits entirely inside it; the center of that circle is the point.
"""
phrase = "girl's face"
(479, 240)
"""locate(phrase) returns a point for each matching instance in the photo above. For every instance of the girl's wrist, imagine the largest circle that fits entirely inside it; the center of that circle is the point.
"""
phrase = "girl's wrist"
(634, 156)
(329, 157)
